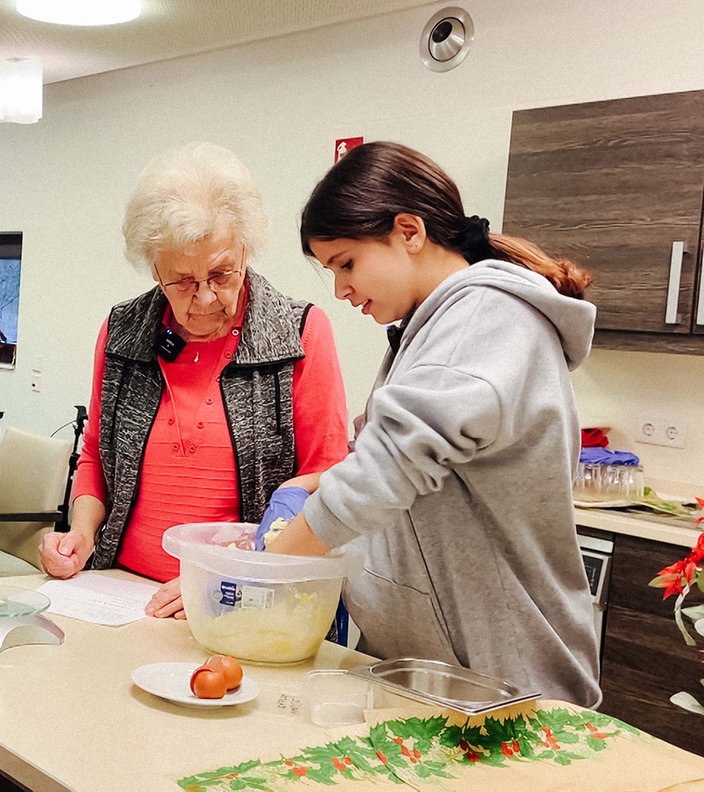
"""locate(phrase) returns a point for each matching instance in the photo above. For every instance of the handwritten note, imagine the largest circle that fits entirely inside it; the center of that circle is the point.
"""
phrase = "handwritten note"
(95, 597)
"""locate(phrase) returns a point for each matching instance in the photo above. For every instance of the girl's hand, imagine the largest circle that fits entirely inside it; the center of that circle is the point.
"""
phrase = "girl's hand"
(284, 505)
(297, 539)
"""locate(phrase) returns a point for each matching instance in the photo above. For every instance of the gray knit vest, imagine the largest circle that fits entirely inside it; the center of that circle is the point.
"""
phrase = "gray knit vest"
(256, 388)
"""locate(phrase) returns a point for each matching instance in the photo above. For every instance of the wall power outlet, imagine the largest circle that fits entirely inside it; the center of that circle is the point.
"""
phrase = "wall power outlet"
(662, 430)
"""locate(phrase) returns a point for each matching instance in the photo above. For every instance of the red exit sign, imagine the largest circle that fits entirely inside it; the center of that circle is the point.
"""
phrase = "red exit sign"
(343, 145)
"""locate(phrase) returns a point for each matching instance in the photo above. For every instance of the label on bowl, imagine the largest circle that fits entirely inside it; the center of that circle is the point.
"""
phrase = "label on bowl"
(229, 594)
(256, 597)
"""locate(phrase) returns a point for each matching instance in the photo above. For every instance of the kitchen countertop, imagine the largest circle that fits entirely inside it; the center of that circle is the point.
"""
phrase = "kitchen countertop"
(646, 524)
(71, 719)
(658, 528)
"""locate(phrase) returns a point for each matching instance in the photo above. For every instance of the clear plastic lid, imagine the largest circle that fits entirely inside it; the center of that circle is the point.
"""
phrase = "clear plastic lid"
(15, 602)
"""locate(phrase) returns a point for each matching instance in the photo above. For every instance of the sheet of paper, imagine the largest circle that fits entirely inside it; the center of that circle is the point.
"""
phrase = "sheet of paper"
(95, 597)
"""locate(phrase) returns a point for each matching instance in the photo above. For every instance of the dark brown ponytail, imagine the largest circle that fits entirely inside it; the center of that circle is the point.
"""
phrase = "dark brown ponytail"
(361, 195)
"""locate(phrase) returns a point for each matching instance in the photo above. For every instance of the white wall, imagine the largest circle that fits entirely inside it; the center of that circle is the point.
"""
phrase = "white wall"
(280, 104)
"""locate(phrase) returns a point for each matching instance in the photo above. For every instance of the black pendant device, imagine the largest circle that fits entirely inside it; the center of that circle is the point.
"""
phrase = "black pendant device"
(169, 345)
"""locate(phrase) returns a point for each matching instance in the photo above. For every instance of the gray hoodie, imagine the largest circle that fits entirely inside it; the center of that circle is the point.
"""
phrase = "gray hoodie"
(459, 490)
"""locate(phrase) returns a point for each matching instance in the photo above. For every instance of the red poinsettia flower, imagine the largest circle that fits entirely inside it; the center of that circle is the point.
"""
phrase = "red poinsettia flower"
(683, 573)
(697, 554)
(698, 520)
(679, 578)
(674, 578)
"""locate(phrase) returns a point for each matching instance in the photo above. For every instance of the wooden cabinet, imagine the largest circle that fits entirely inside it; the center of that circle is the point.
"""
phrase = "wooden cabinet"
(645, 659)
(617, 186)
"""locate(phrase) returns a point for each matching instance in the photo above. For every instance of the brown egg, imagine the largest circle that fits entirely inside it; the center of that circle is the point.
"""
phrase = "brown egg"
(207, 683)
(229, 667)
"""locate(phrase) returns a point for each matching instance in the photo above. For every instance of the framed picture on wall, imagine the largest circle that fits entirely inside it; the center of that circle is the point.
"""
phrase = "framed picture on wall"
(10, 246)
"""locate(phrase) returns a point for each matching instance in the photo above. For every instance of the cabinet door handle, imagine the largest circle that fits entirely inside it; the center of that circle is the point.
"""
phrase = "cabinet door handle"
(673, 286)
(699, 320)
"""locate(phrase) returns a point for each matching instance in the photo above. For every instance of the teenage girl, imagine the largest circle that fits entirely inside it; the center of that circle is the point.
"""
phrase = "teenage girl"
(458, 491)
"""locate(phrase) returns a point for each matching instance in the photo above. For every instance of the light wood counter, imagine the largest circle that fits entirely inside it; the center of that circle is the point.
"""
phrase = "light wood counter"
(657, 529)
(71, 719)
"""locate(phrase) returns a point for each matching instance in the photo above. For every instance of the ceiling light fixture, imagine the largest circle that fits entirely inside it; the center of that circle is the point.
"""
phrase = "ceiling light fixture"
(20, 90)
(85, 13)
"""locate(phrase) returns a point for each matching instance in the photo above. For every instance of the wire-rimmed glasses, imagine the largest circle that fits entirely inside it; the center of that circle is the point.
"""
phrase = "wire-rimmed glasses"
(216, 282)
(219, 281)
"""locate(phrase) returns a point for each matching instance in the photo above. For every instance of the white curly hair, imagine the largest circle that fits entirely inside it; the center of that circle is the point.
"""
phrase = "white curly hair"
(183, 194)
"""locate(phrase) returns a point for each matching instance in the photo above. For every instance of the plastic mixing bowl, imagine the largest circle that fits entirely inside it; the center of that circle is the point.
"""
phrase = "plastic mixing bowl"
(259, 607)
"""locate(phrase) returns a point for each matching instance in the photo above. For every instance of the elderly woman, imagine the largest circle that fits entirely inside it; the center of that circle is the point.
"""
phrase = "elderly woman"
(209, 391)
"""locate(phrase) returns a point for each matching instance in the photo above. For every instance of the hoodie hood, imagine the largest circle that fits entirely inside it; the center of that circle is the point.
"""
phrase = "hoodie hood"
(572, 318)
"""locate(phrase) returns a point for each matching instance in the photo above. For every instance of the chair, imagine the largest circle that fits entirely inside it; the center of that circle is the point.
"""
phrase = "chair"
(33, 474)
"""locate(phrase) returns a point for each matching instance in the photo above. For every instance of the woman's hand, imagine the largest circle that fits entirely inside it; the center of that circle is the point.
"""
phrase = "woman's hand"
(167, 601)
(63, 555)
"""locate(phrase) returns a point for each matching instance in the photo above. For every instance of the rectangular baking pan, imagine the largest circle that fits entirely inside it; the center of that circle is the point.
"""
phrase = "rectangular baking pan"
(435, 682)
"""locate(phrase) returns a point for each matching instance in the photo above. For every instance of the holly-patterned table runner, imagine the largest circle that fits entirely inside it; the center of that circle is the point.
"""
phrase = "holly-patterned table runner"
(548, 746)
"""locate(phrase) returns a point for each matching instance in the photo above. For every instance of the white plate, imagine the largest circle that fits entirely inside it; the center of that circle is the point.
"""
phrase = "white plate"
(172, 681)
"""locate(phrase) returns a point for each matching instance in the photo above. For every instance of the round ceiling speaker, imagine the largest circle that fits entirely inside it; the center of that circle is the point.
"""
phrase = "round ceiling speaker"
(445, 40)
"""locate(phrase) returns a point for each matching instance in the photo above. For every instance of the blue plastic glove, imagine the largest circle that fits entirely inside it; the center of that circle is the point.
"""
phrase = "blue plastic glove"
(602, 456)
(284, 505)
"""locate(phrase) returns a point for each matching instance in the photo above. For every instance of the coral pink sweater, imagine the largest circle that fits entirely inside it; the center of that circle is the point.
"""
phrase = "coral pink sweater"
(188, 471)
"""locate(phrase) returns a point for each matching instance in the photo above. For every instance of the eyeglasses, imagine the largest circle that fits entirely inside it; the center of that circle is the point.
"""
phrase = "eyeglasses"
(217, 282)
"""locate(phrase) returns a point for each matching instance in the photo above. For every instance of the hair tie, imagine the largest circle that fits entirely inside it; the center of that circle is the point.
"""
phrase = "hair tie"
(473, 239)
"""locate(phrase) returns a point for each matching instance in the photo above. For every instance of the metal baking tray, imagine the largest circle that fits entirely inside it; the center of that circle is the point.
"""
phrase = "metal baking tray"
(435, 682)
